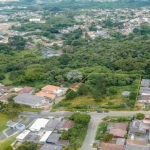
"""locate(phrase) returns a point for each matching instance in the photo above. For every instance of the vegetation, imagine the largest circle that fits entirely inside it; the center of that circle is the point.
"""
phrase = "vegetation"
(27, 146)
(77, 134)
(140, 116)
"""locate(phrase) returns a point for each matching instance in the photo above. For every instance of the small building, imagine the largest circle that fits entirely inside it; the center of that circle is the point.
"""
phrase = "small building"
(53, 138)
(35, 20)
(50, 147)
(21, 136)
(118, 133)
(137, 147)
(67, 125)
(144, 91)
(145, 82)
(144, 98)
(120, 141)
(30, 100)
(126, 93)
(27, 89)
(110, 146)
(136, 127)
(51, 125)
(39, 124)
(136, 142)
(45, 136)
(20, 127)
(75, 86)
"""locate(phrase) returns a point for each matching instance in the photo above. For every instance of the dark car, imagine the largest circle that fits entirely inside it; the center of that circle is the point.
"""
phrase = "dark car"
(99, 111)
(106, 111)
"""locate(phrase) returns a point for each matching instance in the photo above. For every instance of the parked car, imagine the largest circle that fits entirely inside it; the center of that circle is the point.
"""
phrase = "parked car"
(100, 111)
(106, 111)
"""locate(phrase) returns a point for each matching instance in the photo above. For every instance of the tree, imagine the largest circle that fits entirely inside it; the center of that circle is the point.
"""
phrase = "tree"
(8, 148)
(27, 146)
(70, 94)
(140, 116)
(107, 137)
(83, 90)
(17, 42)
(132, 95)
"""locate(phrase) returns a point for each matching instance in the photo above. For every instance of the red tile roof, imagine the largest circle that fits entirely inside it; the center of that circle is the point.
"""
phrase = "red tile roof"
(110, 146)
(68, 124)
(136, 142)
(27, 89)
(118, 132)
(121, 126)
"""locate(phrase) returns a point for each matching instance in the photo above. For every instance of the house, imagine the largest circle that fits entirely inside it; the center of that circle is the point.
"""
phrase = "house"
(63, 143)
(51, 124)
(45, 136)
(67, 125)
(146, 123)
(144, 98)
(51, 92)
(119, 130)
(39, 124)
(31, 137)
(53, 138)
(145, 82)
(21, 136)
(136, 127)
(120, 141)
(136, 142)
(118, 133)
(110, 146)
(144, 91)
(50, 147)
(136, 147)
(75, 86)
(30, 100)
(27, 89)
(15, 125)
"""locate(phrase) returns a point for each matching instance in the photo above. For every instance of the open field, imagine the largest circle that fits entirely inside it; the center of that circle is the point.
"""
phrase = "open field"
(3, 120)
(6, 81)
(6, 142)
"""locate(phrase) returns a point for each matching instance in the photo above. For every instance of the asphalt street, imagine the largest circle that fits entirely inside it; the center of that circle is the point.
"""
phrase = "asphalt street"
(93, 124)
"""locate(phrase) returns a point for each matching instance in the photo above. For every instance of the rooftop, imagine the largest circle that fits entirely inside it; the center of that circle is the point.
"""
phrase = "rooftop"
(136, 142)
(53, 138)
(27, 89)
(136, 147)
(68, 124)
(23, 135)
(51, 147)
(110, 146)
(28, 99)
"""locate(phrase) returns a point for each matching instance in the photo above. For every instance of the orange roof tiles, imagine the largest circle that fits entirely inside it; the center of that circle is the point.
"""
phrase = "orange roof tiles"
(110, 146)
(136, 142)
(50, 88)
(118, 132)
(48, 95)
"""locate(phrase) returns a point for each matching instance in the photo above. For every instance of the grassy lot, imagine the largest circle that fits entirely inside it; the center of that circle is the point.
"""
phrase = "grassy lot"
(88, 100)
(3, 120)
(6, 81)
(6, 142)
(31, 109)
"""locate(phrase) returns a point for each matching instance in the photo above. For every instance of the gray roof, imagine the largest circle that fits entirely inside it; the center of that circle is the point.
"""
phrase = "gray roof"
(60, 124)
(145, 82)
(120, 141)
(51, 147)
(51, 125)
(126, 93)
(28, 99)
(136, 147)
(144, 90)
(53, 138)
(136, 127)
(32, 138)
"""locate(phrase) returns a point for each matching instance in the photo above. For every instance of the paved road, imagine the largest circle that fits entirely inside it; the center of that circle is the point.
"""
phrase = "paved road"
(93, 124)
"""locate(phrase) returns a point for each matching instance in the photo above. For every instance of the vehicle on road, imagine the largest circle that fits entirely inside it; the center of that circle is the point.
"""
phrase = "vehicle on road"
(106, 111)
(100, 111)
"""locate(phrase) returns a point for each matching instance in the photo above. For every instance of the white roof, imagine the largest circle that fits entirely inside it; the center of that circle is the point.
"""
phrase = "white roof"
(38, 124)
(45, 136)
(23, 135)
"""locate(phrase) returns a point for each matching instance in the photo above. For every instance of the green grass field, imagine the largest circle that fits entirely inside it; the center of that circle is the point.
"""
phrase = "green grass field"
(3, 120)
(6, 142)
(31, 109)
(6, 81)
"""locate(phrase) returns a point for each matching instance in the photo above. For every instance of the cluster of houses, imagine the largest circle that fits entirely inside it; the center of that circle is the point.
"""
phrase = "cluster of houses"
(133, 136)
(27, 96)
(47, 132)
(144, 93)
